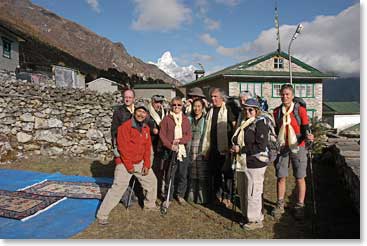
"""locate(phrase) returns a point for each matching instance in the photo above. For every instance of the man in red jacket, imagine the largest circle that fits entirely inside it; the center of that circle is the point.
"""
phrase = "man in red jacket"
(134, 145)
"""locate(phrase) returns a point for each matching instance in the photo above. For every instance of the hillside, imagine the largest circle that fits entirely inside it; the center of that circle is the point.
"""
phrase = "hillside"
(76, 40)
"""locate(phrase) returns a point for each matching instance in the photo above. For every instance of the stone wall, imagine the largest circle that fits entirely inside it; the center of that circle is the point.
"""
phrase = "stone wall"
(344, 154)
(40, 119)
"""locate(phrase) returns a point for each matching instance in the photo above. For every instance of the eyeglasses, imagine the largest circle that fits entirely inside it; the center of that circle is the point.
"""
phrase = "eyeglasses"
(249, 109)
(176, 105)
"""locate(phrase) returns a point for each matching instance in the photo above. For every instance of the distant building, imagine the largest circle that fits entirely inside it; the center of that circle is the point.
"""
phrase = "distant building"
(103, 85)
(341, 115)
(9, 48)
(264, 75)
(148, 90)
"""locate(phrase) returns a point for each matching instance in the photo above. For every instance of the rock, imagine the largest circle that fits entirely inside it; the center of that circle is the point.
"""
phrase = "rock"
(55, 151)
(54, 123)
(48, 136)
(27, 117)
(98, 147)
(7, 153)
(40, 123)
(94, 134)
(23, 137)
(28, 127)
(31, 147)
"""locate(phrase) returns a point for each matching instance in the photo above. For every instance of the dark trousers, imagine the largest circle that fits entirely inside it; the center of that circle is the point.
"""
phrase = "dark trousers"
(178, 179)
(221, 176)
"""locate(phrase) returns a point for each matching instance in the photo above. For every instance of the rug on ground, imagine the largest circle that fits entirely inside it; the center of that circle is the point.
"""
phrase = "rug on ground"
(83, 190)
(63, 220)
(22, 206)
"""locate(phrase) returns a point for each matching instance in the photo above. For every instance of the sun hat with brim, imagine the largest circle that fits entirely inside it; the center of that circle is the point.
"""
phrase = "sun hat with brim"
(196, 91)
(158, 98)
(142, 105)
(251, 102)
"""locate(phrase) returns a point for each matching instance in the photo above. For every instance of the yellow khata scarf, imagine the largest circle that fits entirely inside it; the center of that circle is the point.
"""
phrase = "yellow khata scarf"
(292, 138)
(241, 158)
(178, 134)
(155, 115)
(222, 138)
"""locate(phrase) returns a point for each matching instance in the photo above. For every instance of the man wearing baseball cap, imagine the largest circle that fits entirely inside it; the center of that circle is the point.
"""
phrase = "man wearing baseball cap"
(134, 144)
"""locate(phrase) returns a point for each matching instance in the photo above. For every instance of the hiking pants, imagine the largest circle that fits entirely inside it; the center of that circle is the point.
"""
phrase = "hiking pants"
(121, 182)
(179, 178)
(255, 187)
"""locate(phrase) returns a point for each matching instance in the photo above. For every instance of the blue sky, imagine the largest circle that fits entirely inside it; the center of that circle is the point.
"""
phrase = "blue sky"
(220, 33)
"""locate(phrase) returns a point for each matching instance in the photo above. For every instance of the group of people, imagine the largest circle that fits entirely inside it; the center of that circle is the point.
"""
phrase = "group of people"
(204, 154)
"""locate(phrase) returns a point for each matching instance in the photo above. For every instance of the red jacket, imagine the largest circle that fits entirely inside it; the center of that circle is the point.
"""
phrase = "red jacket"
(167, 132)
(297, 128)
(133, 145)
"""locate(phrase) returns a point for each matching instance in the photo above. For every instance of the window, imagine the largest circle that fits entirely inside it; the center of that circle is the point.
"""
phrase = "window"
(278, 63)
(254, 87)
(6, 48)
(301, 90)
(304, 90)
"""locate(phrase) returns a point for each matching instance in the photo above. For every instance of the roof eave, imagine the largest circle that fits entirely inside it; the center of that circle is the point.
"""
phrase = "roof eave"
(278, 76)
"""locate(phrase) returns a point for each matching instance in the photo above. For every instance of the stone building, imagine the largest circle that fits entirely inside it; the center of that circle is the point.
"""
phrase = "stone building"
(148, 90)
(9, 48)
(264, 75)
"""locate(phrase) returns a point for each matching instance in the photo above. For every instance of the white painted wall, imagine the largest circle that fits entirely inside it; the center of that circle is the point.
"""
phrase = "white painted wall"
(342, 122)
(102, 85)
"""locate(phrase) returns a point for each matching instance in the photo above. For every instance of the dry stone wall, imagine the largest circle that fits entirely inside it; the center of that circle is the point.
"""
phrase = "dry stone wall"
(41, 119)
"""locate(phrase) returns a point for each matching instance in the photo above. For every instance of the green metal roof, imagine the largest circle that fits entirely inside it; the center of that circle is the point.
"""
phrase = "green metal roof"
(154, 86)
(238, 70)
(341, 107)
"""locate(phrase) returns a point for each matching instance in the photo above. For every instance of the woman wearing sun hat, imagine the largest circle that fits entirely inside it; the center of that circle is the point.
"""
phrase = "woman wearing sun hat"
(249, 143)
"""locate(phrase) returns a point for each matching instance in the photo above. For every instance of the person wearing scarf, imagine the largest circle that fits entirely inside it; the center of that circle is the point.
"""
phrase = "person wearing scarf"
(175, 134)
(249, 142)
(291, 137)
(199, 185)
(156, 115)
(216, 144)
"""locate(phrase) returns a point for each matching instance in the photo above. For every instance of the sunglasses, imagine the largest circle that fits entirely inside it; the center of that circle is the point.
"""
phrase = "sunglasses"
(176, 105)
(249, 109)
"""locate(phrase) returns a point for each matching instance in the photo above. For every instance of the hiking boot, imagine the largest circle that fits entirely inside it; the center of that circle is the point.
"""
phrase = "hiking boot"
(103, 221)
(253, 226)
(181, 201)
(299, 211)
(152, 209)
(278, 210)
(227, 203)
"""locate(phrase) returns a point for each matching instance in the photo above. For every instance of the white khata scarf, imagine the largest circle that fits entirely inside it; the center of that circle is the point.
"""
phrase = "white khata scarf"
(155, 115)
(178, 134)
(241, 158)
(222, 138)
(131, 109)
(292, 138)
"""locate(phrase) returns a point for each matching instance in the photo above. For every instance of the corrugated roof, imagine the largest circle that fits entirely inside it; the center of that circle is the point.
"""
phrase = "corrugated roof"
(341, 107)
(239, 70)
(154, 86)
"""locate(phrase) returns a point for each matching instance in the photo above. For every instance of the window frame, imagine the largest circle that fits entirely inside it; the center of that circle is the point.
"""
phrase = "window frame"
(278, 62)
(253, 92)
(6, 43)
(295, 85)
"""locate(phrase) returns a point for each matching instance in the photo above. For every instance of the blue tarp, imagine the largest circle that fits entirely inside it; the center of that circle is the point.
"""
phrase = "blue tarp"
(63, 220)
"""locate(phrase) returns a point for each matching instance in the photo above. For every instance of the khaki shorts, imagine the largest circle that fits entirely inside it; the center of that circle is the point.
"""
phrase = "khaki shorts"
(298, 161)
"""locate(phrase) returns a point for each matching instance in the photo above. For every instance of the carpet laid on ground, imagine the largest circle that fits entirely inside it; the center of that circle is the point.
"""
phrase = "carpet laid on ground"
(23, 206)
(82, 190)
(63, 220)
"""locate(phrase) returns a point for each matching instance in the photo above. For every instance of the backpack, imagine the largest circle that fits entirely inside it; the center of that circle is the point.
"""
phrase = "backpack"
(298, 102)
(273, 147)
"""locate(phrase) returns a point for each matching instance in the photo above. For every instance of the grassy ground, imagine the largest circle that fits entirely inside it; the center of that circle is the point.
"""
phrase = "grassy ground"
(184, 222)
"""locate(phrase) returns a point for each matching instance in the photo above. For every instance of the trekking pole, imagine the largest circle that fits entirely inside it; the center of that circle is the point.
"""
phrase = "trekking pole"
(164, 206)
(234, 159)
(309, 163)
(131, 193)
